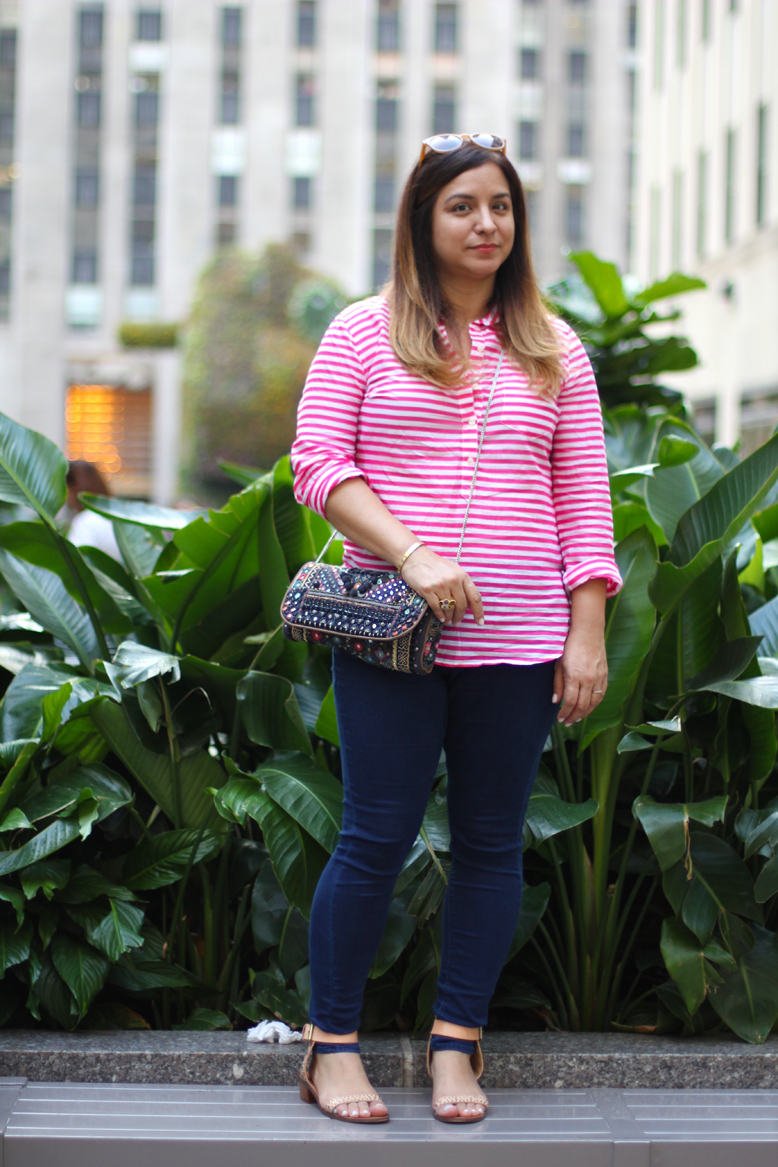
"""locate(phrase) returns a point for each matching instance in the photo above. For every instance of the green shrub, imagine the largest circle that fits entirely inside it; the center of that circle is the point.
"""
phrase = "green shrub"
(148, 335)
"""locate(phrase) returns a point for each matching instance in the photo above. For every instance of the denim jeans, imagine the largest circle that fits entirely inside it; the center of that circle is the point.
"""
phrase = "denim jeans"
(493, 721)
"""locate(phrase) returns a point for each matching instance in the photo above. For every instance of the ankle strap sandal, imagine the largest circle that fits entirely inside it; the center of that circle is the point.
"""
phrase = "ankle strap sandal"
(309, 1093)
(458, 1037)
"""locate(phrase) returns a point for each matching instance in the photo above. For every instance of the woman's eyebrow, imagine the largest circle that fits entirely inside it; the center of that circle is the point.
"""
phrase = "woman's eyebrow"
(504, 194)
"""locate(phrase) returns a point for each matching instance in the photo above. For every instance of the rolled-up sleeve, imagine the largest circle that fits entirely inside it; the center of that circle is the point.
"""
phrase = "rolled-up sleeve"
(323, 452)
(579, 470)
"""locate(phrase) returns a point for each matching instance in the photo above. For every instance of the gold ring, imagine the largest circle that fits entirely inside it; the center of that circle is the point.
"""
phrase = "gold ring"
(447, 604)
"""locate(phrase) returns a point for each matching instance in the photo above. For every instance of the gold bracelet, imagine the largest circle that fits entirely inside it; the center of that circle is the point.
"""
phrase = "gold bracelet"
(413, 547)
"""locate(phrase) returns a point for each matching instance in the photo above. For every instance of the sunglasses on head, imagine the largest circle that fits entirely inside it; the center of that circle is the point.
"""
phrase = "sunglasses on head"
(445, 143)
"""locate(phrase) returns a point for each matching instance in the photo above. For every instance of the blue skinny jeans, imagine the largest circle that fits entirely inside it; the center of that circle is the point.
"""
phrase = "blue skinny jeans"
(493, 721)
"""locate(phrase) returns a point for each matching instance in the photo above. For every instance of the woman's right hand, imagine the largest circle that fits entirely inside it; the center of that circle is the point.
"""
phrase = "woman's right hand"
(436, 579)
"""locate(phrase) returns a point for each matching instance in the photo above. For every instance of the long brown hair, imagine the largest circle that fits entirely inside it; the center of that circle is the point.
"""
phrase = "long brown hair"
(416, 299)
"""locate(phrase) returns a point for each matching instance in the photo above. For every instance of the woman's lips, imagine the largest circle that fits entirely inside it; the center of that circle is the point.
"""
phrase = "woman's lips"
(485, 247)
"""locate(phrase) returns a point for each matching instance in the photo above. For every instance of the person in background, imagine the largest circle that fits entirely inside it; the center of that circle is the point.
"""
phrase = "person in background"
(87, 528)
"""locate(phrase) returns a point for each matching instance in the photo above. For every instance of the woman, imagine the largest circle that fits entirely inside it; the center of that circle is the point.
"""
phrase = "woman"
(388, 432)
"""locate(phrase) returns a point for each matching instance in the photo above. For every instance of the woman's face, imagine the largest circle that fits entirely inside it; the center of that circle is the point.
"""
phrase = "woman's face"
(472, 224)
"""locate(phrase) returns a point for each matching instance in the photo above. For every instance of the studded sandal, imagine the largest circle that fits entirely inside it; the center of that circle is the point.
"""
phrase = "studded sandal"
(458, 1033)
(309, 1093)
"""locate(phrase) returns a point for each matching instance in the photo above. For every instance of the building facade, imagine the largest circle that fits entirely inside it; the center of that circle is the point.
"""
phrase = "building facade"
(707, 198)
(136, 137)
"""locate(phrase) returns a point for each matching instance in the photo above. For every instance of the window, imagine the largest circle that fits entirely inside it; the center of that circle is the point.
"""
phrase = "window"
(144, 186)
(443, 109)
(113, 428)
(528, 140)
(149, 25)
(388, 32)
(304, 114)
(231, 27)
(8, 48)
(88, 111)
(729, 187)
(228, 191)
(87, 188)
(659, 36)
(702, 190)
(142, 255)
(574, 215)
(706, 21)
(90, 27)
(576, 67)
(382, 255)
(677, 219)
(632, 26)
(301, 243)
(7, 130)
(226, 234)
(529, 64)
(301, 194)
(384, 193)
(5, 277)
(761, 164)
(6, 203)
(147, 109)
(681, 34)
(230, 100)
(84, 266)
(445, 28)
(575, 140)
(386, 108)
(306, 24)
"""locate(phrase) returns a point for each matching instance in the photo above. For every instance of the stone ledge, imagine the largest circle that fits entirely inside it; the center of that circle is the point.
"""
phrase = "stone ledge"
(534, 1061)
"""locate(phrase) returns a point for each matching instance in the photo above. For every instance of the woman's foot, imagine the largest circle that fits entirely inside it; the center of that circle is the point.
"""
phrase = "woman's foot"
(336, 1075)
(452, 1074)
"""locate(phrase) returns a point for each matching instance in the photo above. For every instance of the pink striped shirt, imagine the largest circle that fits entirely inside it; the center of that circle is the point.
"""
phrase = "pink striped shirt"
(540, 521)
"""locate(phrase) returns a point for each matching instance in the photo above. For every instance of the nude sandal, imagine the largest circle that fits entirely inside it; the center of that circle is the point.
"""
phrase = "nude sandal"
(309, 1093)
(447, 1029)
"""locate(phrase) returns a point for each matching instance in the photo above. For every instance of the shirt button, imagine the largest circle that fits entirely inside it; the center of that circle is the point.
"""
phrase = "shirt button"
(471, 461)
(472, 421)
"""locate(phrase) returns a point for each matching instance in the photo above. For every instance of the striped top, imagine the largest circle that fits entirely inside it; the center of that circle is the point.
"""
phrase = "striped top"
(540, 521)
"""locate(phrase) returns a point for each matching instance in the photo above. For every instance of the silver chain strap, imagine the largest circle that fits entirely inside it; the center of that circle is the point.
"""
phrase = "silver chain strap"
(324, 549)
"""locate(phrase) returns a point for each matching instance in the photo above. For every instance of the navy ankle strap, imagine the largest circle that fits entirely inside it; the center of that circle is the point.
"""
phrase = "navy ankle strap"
(439, 1042)
(333, 1047)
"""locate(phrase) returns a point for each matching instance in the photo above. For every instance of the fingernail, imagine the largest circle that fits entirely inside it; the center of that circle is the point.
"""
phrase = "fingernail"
(555, 699)
(481, 622)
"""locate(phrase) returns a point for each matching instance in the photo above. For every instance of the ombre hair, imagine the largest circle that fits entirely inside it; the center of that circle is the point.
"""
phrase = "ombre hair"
(524, 317)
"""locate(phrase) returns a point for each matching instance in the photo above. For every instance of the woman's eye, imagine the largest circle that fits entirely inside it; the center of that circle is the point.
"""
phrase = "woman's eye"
(462, 207)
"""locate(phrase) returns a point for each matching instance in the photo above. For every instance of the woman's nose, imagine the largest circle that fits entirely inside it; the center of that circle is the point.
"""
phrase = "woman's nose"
(485, 220)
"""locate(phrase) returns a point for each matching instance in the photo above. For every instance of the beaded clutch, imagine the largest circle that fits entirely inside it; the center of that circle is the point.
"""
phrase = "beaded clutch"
(371, 614)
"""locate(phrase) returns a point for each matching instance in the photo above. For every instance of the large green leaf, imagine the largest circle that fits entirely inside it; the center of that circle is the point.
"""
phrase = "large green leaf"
(21, 712)
(290, 520)
(271, 713)
(45, 597)
(707, 527)
(398, 933)
(534, 901)
(673, 285)
(37, 544)
(673, 489)
(269, 908)
(630, 619)
(747, 998)
(32, 469)
(605, 282)
(14, 944)
(667, 824)
(764, 623)
(65, 789)
(162, 859)
(712, 879)
(298, 860)
(53, 838)
(194, 774)
(143, 513)
(311, 795)
(83, 969)
(759, 691)
(683, 956)
(118, 930)
(136, 663)
(547, 814)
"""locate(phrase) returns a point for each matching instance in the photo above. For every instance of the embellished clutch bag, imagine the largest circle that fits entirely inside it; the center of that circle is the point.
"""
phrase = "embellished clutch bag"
(371, 614)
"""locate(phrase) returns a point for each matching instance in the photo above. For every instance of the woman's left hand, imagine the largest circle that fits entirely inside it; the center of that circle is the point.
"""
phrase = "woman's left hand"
(581, 675)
